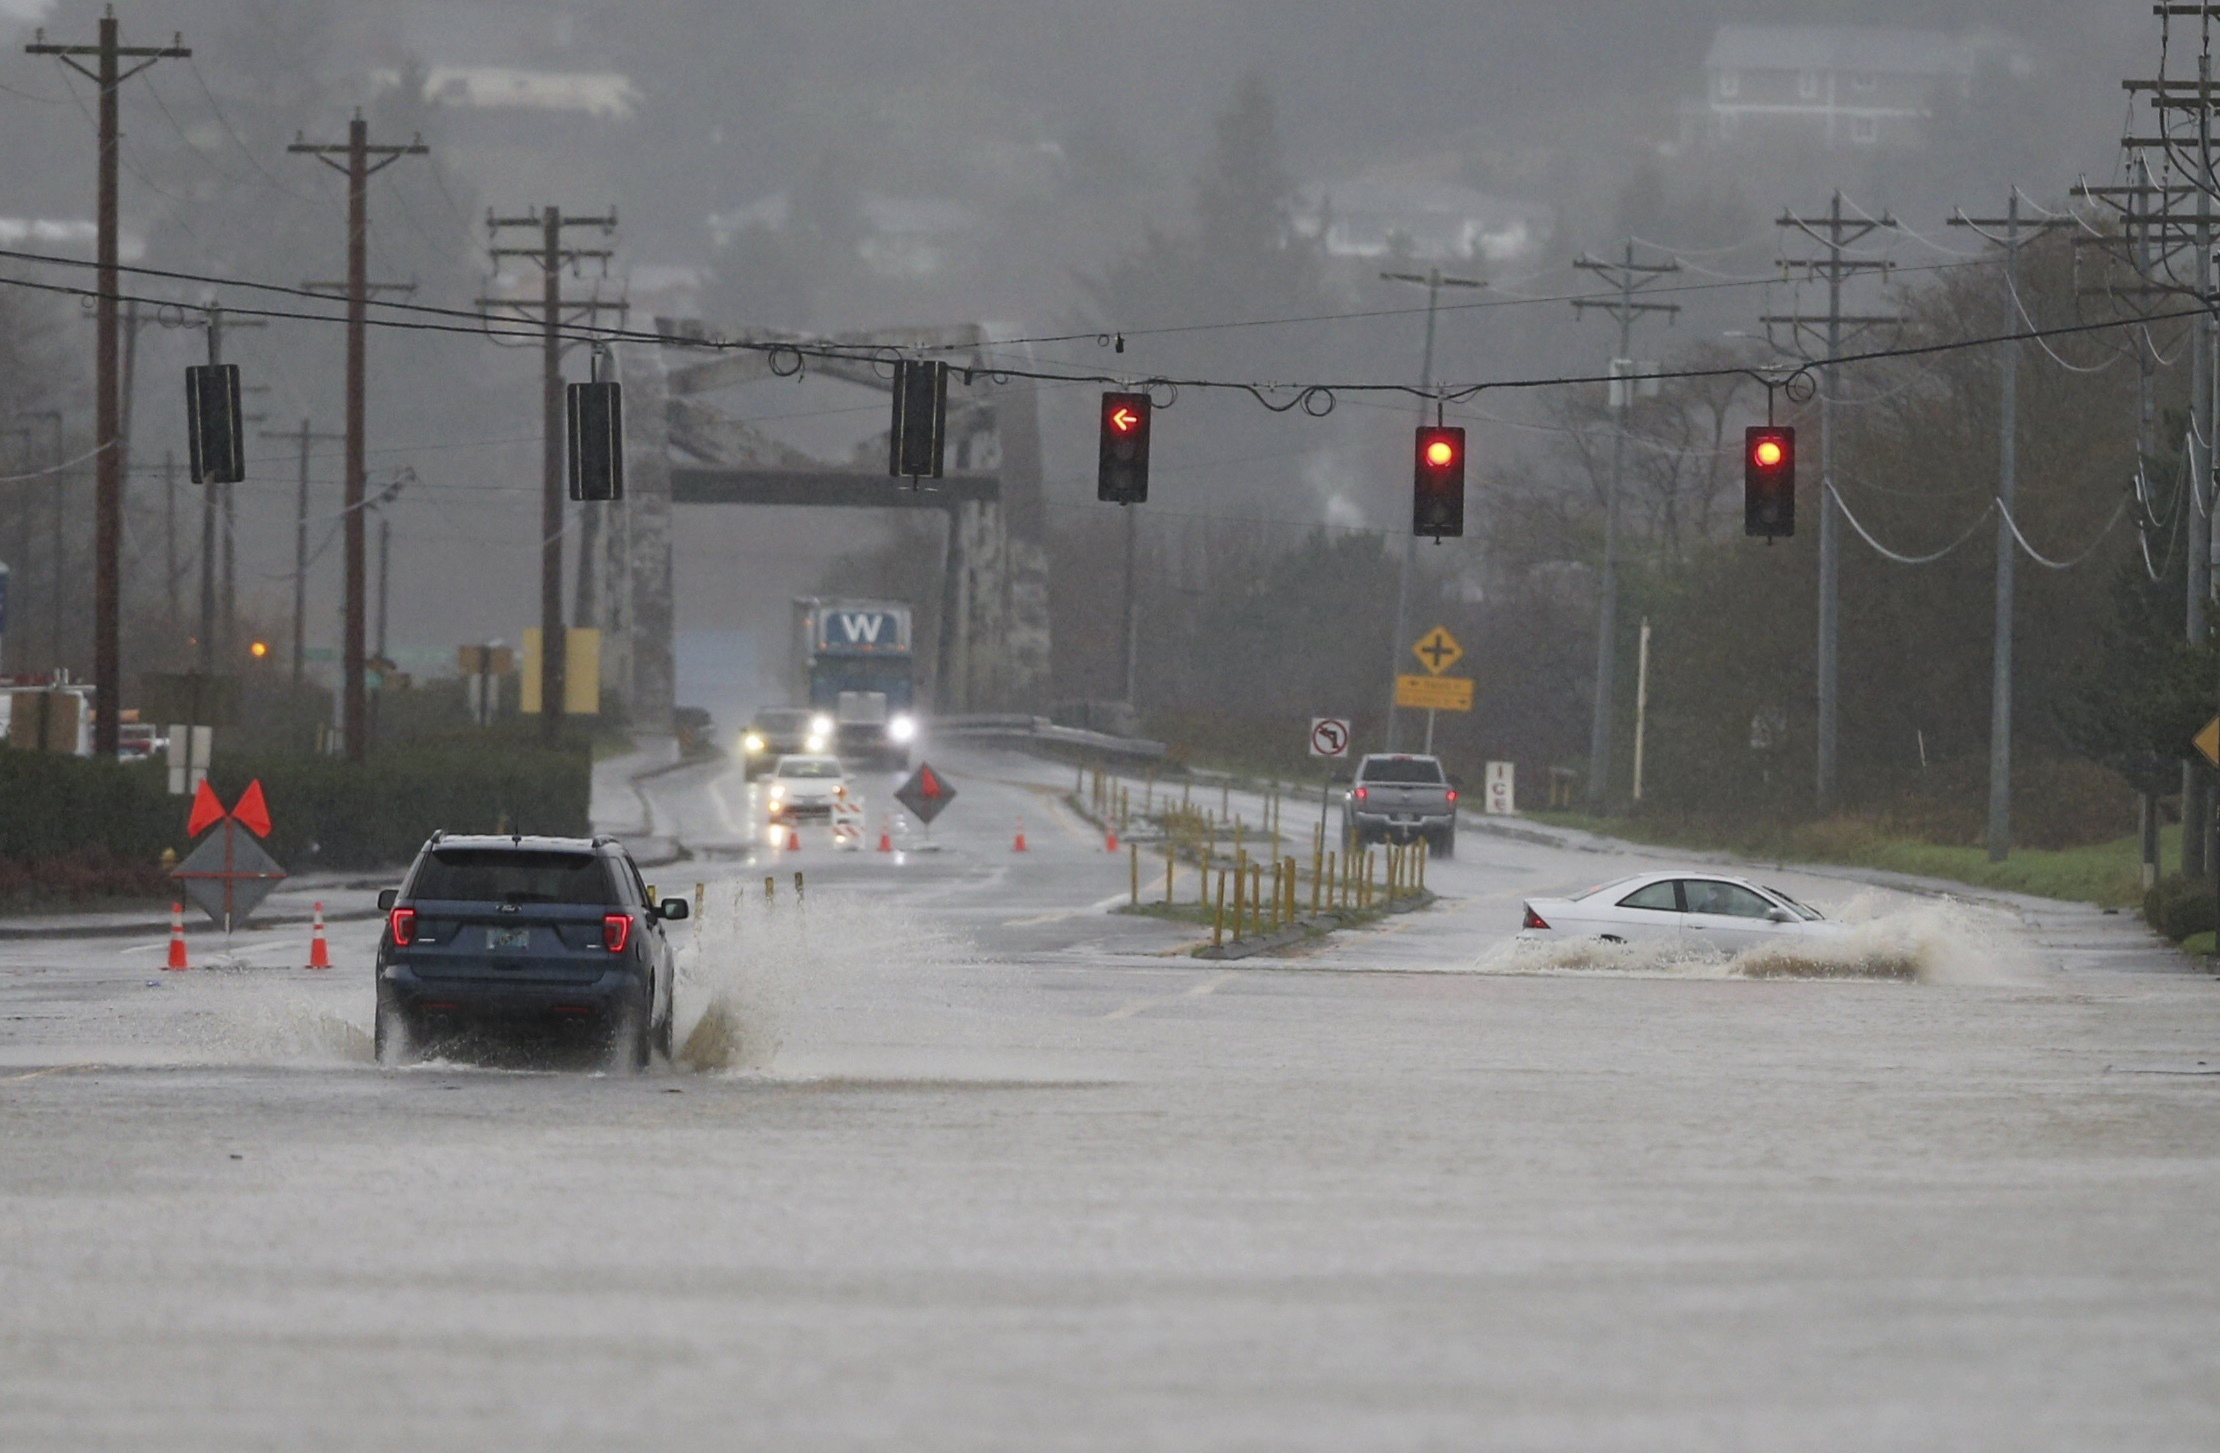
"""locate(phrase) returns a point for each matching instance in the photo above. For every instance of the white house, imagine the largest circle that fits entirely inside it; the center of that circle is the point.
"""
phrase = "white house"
(1838, 86)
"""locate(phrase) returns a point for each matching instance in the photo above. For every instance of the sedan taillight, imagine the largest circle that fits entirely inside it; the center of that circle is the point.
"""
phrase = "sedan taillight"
(401, 923)
(616, 931)
(1533, 919)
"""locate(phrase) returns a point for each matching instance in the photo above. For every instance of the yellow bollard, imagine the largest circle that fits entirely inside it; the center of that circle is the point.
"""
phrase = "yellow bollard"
(770, 888)
(701, 891)
(1218, 921)
(1333, 867)
(797, 887)
(1171, 867)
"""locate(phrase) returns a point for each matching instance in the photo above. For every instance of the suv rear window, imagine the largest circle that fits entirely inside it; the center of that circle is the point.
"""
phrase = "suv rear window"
(512, 875)
(1418, 771)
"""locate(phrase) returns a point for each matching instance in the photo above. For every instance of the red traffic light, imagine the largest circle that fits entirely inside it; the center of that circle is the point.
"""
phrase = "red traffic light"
(1769, 483)
(1122, 476)
(1438, 496)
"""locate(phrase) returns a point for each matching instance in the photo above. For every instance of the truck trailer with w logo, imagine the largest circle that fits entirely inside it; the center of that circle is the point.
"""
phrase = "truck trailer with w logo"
(854, 663)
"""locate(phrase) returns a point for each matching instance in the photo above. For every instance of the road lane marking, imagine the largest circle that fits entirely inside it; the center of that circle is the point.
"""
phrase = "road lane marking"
(1143, 1006)
(1063, 915)
(42, 1074)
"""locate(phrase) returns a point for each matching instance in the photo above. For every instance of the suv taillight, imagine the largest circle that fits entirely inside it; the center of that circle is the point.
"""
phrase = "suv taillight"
(616, 931)
(1533, 919)
(401, 923)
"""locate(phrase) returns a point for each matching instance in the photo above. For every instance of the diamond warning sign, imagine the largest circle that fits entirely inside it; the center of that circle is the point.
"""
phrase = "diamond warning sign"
(927, 794)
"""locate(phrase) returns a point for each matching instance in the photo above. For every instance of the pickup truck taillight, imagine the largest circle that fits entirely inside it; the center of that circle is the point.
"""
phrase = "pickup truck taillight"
(1533, 919)
(1453, 796)
(1360, 794)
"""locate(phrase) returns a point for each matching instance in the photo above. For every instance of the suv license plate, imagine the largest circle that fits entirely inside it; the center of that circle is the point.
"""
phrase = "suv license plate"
(500, 939)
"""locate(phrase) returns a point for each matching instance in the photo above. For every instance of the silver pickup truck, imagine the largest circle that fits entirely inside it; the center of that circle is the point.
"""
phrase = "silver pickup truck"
(1401, 799)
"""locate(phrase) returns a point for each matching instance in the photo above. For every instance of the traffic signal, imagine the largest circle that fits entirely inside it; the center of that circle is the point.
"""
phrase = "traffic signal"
(596, 418)
(1769, 483)
(1439, 499)
(1124, 475)
(919, 437)
(215, 432)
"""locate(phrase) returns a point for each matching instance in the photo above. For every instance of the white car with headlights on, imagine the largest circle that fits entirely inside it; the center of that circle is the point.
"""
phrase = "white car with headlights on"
(805, 789)
(1694, 912)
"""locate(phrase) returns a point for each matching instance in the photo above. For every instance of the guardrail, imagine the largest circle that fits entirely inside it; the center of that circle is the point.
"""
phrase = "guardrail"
(1040, 731)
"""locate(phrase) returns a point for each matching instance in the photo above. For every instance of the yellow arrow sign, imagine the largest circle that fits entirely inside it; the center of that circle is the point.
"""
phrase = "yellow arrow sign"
(1433, 693)
(2208, 742)
(1438, 651)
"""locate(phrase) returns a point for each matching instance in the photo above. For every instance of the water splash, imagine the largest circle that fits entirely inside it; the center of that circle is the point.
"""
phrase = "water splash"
(1937, 942)
(754, 971)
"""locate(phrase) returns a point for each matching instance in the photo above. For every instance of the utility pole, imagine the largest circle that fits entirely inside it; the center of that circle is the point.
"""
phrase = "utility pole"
(1837, 234)
(1132, 608)
(54, 563)
(1433, 280)
(1630, 278)
(2007, 493)
(225, 646)
(362, 162)
(552, 256)
(2150, 243)
(2183, 144)
(108, 74)
(169, 528)
(307, 438)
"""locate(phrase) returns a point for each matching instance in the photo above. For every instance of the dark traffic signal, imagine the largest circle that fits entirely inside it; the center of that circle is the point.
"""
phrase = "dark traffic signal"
(214, 428)
(1124, 475)
(918, 440)
(1769, 483)
(1439, 499)
(596, 441)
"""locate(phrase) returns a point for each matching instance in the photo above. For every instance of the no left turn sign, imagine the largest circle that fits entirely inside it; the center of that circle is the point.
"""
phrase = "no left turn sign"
(1330, 737)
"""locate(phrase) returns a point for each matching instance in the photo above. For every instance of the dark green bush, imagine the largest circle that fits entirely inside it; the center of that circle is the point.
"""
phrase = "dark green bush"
(332, 814)
(327, 813)
(2180, 907)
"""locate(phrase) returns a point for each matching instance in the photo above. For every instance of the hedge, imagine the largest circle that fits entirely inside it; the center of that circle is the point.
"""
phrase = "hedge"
(2179, 908)
(328, 813)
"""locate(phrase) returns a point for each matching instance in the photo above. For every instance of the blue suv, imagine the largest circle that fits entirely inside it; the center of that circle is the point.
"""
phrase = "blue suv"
(523, 933)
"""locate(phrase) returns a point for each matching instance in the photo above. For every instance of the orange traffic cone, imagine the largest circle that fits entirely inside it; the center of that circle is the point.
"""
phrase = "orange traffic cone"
(1110, 841)
(793, 840)
(886, 835)
(1019, 845)
(319, 953)
(177, 938)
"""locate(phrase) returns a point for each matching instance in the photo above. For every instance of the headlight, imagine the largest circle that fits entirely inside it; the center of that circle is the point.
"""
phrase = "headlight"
(777, 792)
(902, 729)
(817, 745)
(754, 743)
(821, 726)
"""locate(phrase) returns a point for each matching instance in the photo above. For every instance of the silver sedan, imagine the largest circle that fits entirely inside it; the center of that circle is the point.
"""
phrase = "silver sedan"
(1694, 911)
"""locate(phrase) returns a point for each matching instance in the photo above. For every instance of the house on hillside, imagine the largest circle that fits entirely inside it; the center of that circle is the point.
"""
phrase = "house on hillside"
(1422, 218)
(1837, 86)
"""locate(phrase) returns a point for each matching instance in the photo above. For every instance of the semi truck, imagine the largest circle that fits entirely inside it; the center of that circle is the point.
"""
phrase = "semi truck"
(853, 665)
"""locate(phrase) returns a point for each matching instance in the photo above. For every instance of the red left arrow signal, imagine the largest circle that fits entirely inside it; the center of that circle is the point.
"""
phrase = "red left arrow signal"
(1124, 421)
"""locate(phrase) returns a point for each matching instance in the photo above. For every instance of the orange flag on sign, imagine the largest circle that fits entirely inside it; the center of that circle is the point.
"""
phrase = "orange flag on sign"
(207, 811)
(253, 812)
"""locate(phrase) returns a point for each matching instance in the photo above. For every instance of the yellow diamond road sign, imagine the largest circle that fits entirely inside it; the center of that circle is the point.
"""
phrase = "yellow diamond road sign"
(2208, 742)
(1438, 651)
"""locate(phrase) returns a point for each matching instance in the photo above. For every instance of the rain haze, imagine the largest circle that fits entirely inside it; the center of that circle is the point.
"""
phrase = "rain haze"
(1178, 723)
